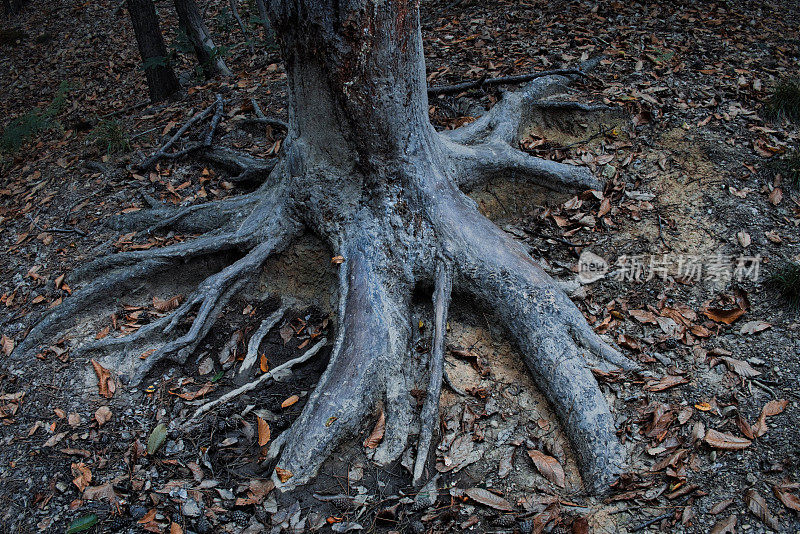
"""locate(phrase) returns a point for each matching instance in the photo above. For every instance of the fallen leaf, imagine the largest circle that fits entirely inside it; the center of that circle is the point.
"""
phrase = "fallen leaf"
(156, 438)
(175, 528)
(264, 433)
(82, 524)
(164, 306)
(55, 438)
(725, 526)
(376, 435)
(82, 474)
(290, 401)
(548, 467)
(721, 315)
(773, 407)
(644, 316)
(105, 383)
(102, 415)
(669, 381)
(752, 327)
(740, 367)
(720, 506)
(8, 345)
(104, 492)
(192, 395)
(788, 499)
(776, 196)
(263, 364)
(283, 474)
(758, 507)
(74, 420)
(488, 498)
(720, 440)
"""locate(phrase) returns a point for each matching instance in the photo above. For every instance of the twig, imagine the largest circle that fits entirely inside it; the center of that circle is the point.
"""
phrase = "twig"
(161, 152)
(255, 383)
(667, 515)
(502, 80)
(255, 339)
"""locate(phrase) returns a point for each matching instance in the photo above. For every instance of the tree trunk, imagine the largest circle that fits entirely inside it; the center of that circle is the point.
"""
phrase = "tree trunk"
(191, 21)
(363, 168)
(161, 79)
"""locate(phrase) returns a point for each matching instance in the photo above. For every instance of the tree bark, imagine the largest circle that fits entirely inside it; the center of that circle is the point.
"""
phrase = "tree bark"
(363, 168)
(191, 21)
(161, 79)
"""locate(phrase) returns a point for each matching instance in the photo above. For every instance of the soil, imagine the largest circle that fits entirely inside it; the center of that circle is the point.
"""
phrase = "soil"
(685, 158)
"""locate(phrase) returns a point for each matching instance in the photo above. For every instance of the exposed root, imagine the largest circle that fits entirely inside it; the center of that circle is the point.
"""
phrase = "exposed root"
(243, 167)
(478, 163)
(550, 331)
(162, 152)
(429, 416)
(276, 373)
(255, 340)
(371, 346)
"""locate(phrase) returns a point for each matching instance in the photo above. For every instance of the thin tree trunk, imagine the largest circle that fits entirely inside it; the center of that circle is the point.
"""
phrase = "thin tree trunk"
(269, 33)
(242, 27)
(161, 79)
(191, 21)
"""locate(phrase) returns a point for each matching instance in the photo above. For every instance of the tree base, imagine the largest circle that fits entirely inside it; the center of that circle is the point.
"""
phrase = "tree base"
(414, 228)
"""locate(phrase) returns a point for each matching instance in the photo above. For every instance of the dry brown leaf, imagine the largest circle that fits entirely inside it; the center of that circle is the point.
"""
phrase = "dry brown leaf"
(489, 499)
(74, 420)
(776, 196)
(752, 327)
(720, 440)
(192, 395)
(8, 345)
(264, 434)
(740, 367)
(164, 306)
(263, 364)
(104, 492)
(290, 401)
(744, 427)
(105, 383)
(725, 526)
(55, 438)
(175, 528)
(548, 467)
(82, 474)
(720, 315)
(720, 506)
(773, 407)
(669, 381)
(103, 415)
(644, 316)
(758, 506)
(376, 436)
(789, 500)
(283, 474)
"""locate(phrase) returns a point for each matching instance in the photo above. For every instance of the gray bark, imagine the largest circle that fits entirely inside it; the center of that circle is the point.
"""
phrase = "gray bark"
(363, 169)
(191, 21)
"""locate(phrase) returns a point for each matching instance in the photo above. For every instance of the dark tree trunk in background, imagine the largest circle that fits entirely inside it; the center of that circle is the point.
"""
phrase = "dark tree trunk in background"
(191, 21)
(161, 79)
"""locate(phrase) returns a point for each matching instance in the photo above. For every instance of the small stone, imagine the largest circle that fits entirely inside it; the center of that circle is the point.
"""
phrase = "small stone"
(190, 508)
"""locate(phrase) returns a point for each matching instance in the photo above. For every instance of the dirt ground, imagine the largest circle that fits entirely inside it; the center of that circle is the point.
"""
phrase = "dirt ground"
(709, 425)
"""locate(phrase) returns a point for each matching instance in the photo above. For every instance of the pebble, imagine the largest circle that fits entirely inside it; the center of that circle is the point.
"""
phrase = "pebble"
(190, 508)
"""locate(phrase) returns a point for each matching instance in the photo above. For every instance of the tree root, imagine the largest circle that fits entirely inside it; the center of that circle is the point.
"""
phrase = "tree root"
(255, 340)
(430, 408)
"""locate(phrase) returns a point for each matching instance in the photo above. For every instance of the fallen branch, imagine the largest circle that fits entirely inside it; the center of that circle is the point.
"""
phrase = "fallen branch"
(255, 383)
(502, 80)
(214, 122)
(162, 152)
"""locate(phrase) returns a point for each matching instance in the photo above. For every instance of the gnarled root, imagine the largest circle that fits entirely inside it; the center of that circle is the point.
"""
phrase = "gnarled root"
(366, 368)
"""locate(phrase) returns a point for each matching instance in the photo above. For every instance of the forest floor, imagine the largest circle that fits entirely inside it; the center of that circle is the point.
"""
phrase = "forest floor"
(693, 220)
